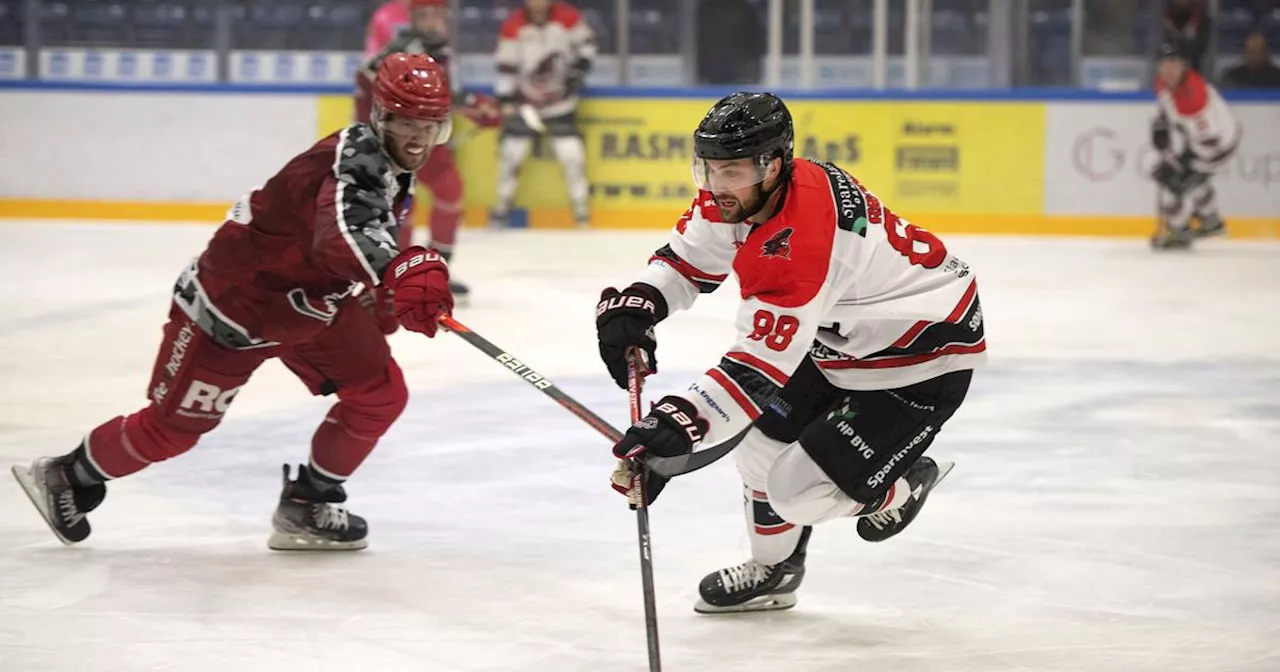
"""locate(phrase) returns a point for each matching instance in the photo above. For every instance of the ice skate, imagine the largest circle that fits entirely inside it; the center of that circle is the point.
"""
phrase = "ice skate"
(499, 220)
(1171, 239)
(62, 505)
(461, 293)
(923, 477)
(1211, 226)
(752, 586)
(310, 519)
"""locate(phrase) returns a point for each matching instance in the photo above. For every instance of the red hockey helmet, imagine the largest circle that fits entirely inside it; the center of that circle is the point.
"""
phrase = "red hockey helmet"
(414, 86)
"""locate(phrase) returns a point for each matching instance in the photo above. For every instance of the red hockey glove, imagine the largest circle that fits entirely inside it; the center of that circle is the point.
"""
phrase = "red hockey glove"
(378, 301)
(419, 281)
(481, 109)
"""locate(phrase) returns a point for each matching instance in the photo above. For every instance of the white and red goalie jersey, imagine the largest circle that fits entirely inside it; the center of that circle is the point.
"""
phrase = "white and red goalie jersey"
(543, 64)
(878, 303)
(1211, 131)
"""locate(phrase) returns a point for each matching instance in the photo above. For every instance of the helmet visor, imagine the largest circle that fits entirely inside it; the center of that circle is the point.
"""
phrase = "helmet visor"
(721, 175)
(419, 131)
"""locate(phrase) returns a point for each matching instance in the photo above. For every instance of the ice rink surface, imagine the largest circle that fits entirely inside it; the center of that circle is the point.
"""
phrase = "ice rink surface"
(1115, 506)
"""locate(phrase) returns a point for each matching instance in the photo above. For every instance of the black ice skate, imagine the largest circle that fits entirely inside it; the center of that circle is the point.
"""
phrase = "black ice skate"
(309, 518)
(752, 586)
(62, 505)
(1211, 226)
(461, 293)
(923, 476)
(1172, 239)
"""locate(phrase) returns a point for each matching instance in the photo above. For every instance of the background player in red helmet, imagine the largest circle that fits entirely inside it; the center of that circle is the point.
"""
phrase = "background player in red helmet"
(276, 281)
(428, 33)
(1207, 134)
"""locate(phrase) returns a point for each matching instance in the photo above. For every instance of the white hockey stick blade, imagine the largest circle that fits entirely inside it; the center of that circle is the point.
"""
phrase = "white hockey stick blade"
(22, 473)
(532, 118)
(762, 603)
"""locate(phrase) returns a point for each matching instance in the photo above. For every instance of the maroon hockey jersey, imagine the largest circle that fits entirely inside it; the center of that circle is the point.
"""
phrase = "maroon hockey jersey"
(292, 250)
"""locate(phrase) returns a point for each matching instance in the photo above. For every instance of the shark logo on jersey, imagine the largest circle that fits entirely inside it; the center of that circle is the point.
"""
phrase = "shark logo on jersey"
(779, 245)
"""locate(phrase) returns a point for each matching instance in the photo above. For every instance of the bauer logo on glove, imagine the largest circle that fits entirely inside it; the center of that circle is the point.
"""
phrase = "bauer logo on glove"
(416, 260)
(672, 428)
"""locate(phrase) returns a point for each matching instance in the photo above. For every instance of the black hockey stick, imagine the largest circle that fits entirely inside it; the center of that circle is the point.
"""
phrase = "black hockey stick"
(635, 380)
(667, 467)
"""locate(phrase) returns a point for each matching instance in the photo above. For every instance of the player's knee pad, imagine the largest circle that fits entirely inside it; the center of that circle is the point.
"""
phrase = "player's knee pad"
(569, 150)
(368, 409)
(801, 493)
(513, 149)
(755, 456)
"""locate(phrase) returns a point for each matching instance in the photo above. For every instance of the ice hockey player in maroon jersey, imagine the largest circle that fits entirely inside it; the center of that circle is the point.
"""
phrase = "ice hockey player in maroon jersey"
(276, 281)
(1207, 134)
(428, 33)
(857, 335)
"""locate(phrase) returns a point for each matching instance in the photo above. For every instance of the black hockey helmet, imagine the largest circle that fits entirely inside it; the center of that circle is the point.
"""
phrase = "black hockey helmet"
(744, 125)
(1174, 48)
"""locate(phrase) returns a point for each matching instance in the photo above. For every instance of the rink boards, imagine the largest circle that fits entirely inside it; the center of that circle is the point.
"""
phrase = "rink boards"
(977, 162)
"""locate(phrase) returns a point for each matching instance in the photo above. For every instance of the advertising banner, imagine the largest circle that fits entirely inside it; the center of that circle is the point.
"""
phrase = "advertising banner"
(925, 159)
(1099, 159)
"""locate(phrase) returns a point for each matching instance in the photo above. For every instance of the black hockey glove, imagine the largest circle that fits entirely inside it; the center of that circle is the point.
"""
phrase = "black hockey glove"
(1160, 136)
(625, 320)
(1177, 177)
(1169, 175)
(672, 428)
(577, 76)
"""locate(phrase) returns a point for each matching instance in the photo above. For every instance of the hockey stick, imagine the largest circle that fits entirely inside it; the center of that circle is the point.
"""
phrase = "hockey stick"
(666, 467)
(635, 379)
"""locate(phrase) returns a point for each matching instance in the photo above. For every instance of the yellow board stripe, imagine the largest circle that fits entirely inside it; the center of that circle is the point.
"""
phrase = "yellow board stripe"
(643, 218)
(19, 208)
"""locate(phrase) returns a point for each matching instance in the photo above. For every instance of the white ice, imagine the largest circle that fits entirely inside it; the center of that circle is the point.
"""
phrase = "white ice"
(1116, 504)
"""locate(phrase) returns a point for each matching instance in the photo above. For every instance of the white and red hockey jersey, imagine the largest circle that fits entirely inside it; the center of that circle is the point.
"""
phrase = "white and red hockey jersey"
(536, 61)
(1211, 131)
(877, 302)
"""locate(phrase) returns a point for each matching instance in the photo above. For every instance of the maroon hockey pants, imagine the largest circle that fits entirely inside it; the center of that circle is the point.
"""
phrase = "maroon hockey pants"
(195, 380)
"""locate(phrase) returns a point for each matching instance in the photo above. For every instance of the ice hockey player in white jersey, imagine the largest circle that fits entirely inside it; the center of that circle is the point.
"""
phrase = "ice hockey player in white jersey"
(857, 335)
(1207, 134)
(544, 52)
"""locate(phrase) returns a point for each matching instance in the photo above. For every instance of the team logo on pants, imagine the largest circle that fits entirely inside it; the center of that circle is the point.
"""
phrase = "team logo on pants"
(206, 401)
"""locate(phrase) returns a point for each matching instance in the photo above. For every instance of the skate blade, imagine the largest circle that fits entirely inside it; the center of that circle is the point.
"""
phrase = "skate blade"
(27, 480)
(292, 541)
(944, 468)
(762, 603)
(1170, 244)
